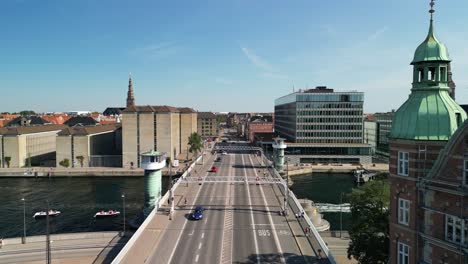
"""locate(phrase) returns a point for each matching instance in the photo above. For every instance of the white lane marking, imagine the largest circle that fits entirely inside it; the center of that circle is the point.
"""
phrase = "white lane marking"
(251, 210)
(183, 227)
(268, 224)
(192, 232)
(199, 245)
(202, 235)
(196, 258)
(270, 219)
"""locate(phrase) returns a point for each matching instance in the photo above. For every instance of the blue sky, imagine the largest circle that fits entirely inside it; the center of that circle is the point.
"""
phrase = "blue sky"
(218, 55)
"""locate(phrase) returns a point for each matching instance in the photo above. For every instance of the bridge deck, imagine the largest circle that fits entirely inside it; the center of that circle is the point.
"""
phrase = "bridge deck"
(241, 222)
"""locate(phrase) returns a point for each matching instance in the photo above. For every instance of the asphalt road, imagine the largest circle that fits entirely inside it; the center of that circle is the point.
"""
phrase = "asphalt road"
(241, 222)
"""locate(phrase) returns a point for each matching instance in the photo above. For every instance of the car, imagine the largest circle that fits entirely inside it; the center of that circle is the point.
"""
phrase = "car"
(224, 153)
(218, 159)
(197, 213)
(213, 169)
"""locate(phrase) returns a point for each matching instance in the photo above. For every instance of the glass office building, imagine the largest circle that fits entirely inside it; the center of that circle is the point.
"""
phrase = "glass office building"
(322, 126)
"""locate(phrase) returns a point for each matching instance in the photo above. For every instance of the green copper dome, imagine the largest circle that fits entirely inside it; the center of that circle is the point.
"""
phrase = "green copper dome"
(431, 49)
(427, 115)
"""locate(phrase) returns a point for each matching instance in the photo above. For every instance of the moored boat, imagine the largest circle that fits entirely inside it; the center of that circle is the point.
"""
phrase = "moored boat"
(106, 213)
(44, 213)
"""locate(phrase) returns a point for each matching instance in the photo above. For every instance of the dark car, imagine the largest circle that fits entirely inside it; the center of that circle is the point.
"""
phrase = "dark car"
(218, 159)
(197, 213)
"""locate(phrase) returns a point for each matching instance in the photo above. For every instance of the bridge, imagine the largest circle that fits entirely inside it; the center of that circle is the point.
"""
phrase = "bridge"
(247, 219)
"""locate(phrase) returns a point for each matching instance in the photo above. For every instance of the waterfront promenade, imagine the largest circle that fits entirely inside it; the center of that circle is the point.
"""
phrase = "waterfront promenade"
(93, 247)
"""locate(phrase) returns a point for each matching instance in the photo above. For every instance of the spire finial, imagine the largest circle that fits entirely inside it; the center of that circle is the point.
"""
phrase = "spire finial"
(432, 8)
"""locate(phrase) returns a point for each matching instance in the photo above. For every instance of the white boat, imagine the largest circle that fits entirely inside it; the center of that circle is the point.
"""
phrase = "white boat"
(106, 214)
(44, 213)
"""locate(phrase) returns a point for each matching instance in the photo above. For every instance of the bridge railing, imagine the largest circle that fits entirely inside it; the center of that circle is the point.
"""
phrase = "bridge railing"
(120, 257)
(297, 204)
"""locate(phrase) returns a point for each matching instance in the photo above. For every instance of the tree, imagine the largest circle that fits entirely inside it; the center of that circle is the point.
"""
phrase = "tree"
(195, 142)
(65, 163)
(27, 113)
(7, 161)
(80, 159)
(369, 231)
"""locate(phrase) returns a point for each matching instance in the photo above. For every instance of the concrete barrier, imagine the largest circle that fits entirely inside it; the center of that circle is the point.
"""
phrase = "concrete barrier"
(67, 236)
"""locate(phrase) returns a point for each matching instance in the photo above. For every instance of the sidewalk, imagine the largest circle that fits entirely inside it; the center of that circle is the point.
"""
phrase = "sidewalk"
(89, 247)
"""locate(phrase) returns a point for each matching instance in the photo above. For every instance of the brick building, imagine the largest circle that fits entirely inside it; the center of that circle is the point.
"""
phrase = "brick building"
(427, 147)
(258, 124)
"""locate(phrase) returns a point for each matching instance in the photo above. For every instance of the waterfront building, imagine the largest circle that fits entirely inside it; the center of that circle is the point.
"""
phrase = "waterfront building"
(371, 134)
(28, 145)
(428, 165)
(384, 121)
(161, 128)
(207, 125)
(322, 126)
(90, 146)
(258, 124)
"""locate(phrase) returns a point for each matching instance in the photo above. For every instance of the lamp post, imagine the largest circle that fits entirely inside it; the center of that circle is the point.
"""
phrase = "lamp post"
(24, 221)
(341, 213)
(123, 207)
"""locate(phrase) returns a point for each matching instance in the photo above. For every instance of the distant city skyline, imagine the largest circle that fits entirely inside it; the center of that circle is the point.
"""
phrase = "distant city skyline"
(222, 56)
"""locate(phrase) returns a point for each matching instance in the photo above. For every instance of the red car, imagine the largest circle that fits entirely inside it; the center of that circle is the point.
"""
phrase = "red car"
(213, 169)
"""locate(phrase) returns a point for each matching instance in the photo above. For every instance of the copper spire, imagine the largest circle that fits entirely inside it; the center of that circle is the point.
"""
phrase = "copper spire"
(432, 3)
(130, 98)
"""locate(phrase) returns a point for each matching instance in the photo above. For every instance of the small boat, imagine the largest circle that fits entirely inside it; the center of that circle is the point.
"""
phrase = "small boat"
(44, 214)
(106, 214)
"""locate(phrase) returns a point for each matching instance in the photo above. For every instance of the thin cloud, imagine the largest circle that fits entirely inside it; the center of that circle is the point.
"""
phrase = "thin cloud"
(378, 33)
(159, 50)
(256, 60)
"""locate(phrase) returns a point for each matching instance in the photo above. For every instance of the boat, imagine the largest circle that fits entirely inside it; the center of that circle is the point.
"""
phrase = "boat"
(106, 214)
(44, 214)
(362, 175)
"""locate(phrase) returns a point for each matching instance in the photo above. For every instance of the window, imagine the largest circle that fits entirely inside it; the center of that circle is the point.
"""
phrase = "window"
(465, 172)
(456, 229)
(403, 161)
(403, 211)
(403, 253)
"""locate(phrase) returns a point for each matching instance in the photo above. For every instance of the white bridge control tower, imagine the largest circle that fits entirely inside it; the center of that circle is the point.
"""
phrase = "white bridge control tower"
(152, 162)
(278, 154)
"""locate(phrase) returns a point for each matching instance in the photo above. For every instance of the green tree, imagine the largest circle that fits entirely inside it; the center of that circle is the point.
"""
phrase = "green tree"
(369, 231)
(27, 113)
(195, 143)
(65, 163)
(80, 160)
(7, 161)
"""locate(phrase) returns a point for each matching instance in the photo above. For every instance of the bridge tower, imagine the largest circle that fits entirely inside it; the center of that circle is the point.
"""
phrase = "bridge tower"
(152, 162)
(278, 153)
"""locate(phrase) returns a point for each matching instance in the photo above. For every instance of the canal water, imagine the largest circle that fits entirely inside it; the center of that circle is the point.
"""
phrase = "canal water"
(326, 188)
(78, 199)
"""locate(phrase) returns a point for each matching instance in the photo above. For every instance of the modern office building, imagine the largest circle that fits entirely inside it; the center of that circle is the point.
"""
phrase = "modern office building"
(429, 166)
(207, 125)
(371, 134)
(322, 126)
(384, 121)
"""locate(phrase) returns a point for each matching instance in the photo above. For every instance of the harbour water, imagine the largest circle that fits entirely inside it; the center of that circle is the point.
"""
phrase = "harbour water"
(77, 198)
(326, 188)
(80, 198)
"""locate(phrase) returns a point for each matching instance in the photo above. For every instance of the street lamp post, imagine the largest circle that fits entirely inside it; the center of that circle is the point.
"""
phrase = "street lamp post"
(286, 188)
(24, 221)
(123, 207)
(341, 213)
(171, 192)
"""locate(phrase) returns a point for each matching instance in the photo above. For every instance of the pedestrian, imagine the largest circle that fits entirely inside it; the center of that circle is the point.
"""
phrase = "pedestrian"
(185, 201)
(1, 242)
(168, 201)
(302, 214)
